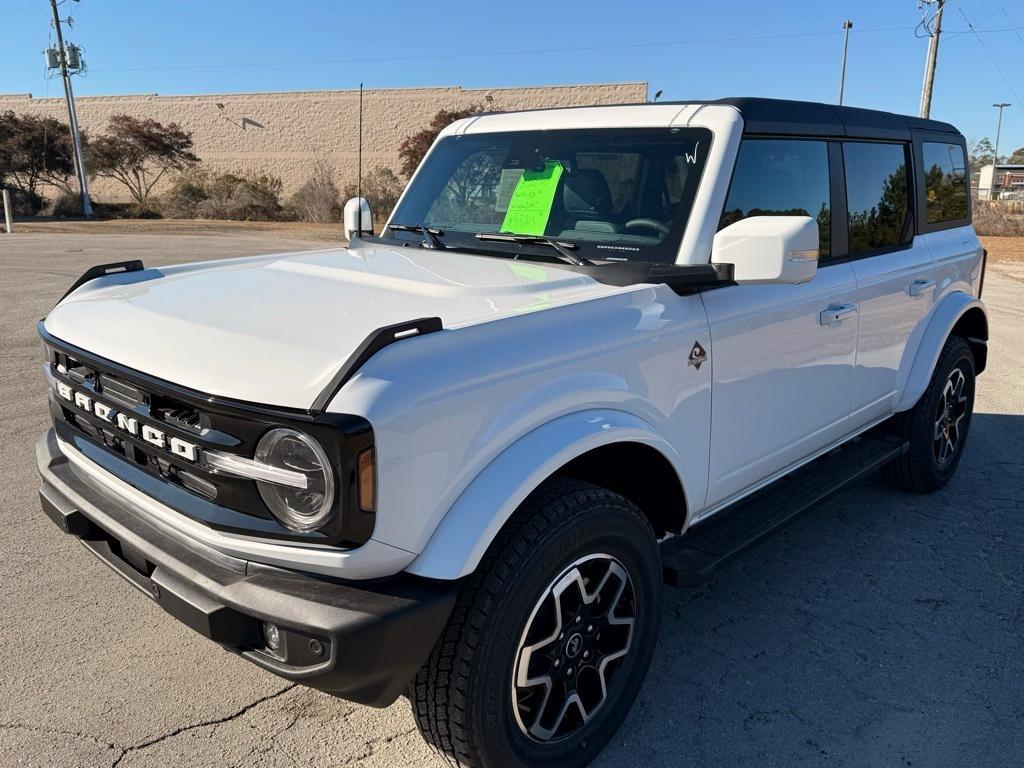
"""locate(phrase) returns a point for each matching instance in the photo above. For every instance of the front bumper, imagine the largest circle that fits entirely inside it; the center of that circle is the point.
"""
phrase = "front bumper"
(363, 643)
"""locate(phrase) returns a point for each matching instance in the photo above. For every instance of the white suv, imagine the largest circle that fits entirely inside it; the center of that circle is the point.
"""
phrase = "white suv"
(458, 459)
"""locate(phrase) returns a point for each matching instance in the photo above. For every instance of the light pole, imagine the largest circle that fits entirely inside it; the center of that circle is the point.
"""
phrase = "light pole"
(847, 26)
(995, 150)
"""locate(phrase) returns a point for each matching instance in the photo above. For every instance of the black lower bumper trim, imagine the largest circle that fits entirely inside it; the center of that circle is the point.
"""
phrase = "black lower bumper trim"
(359, 641)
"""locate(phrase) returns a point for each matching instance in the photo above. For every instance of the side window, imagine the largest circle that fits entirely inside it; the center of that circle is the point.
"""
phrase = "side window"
(877, 196)
(781, 177)
(945, 182)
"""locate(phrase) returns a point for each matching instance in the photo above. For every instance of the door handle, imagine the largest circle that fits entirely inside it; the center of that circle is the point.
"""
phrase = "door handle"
(919, 286)
(836, 313)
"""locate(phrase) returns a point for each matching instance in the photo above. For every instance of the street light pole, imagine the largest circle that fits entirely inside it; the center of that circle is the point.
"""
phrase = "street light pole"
(995, 150)
(847, 26)
(76, 139)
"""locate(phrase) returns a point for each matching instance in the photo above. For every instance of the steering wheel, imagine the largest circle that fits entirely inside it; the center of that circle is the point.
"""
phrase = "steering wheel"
(657, 226)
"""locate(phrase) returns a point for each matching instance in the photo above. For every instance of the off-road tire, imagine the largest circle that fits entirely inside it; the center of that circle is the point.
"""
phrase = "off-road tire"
(462, 698)
(919, 470)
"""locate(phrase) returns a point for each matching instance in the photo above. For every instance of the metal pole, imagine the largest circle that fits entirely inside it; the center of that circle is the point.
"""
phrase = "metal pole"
(930, 62)
(76, 140)
(995, 149)
(847, 26)
(8, 212)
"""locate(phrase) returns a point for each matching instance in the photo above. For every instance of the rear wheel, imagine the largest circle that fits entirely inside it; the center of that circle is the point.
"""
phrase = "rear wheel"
(550, 639)
(936, 428)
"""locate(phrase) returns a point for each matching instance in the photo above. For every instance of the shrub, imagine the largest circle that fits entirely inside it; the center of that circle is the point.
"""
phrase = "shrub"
(187, 191)
(204, 195)
(382, 188)
(317, 200)
(68, 204)
(25, 203)
(999, 218)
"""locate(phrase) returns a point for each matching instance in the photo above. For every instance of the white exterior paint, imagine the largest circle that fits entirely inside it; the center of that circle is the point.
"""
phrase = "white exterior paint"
(537, 364)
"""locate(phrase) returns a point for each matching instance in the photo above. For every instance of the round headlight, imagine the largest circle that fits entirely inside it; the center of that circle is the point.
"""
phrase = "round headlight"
(301, 509)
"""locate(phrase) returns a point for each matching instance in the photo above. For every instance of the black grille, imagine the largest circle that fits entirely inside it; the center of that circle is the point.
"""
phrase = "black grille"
(211, 423)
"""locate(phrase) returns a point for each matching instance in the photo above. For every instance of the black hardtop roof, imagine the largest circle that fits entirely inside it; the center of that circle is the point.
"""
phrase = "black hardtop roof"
(781, 116)
(806, 118)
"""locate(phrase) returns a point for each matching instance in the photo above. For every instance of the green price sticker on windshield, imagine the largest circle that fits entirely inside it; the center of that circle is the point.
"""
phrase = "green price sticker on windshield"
(531, 202)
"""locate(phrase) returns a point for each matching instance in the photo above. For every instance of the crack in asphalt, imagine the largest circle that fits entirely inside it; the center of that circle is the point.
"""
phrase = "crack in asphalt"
(125, 751)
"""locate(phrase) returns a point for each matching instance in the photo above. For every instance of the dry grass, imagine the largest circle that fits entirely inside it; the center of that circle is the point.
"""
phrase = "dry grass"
(1007, 249)
(300, 230)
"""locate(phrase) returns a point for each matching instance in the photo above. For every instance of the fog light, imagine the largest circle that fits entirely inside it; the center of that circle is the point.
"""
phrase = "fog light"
(272, 635)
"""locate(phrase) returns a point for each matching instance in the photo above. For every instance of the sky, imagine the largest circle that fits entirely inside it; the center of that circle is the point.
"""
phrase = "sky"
(688, 50)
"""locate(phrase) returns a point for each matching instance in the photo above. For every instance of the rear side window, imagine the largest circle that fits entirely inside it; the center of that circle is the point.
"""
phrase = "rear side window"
(781, 177)
(945, 182)
(877, 196)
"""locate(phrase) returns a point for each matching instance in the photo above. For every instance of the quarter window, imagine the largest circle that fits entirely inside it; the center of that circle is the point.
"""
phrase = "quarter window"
(945, 182)
(776, 177)
(877, 196)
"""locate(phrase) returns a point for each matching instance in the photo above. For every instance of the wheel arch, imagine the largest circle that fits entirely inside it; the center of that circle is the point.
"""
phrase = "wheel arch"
(585, 446)
(957, 314)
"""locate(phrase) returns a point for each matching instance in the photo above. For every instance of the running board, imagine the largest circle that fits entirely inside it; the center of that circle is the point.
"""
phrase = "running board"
(692, 559)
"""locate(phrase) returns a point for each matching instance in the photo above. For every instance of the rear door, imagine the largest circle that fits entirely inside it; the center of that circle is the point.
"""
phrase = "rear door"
(782, 367)
(893, 268)
(944, 214)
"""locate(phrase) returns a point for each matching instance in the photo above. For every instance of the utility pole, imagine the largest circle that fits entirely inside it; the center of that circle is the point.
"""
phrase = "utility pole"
(933, 55)
(76, 139)
(847, 26)
(995, 150)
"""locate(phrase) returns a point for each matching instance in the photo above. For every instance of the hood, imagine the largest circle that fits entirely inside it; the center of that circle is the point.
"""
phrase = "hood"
(275, 329)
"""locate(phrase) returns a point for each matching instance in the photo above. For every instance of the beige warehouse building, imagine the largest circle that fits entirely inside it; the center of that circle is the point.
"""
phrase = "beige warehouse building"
(286, 134)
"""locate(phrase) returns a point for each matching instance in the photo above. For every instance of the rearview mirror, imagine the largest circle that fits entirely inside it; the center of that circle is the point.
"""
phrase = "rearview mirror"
(769, 249)
(357, 218)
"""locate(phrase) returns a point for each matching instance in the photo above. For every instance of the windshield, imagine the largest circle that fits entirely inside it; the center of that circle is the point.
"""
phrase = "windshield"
(619, 195)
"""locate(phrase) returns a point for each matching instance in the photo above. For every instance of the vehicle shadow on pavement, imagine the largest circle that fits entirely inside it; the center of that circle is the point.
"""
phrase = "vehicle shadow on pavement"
(877, 630)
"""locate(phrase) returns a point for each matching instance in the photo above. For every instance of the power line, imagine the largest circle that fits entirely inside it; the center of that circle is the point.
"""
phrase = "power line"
(508, 52)
(988, 53)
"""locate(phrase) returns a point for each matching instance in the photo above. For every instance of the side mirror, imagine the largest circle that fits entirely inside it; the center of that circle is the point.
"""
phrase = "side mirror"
(769, 249)
(357, 218)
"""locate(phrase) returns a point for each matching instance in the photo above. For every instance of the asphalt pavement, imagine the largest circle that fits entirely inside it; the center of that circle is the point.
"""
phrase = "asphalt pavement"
(882, 629)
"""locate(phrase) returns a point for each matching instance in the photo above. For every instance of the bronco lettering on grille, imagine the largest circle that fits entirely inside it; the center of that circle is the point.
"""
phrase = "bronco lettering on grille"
(156, 437)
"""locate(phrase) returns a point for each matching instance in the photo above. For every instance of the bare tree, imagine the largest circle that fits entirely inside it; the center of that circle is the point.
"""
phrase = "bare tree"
(139, 153)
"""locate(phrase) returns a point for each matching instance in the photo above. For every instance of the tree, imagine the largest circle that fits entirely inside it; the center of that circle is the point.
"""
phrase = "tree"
(36, 150)
(980, 154)
(413, 148)
(138, 153)
(1017, 156)
(381, 188)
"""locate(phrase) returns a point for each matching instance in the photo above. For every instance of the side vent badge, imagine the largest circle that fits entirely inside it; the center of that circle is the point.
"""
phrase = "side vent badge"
(697, 355)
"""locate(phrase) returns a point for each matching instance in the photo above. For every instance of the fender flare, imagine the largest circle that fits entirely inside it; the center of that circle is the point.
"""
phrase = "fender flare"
(466, 531)
(943, 319)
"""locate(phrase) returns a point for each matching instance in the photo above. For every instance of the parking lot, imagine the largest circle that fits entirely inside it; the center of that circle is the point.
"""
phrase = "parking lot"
(883, 629)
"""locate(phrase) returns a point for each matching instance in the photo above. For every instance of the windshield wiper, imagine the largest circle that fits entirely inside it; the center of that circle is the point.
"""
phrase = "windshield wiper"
(563, 247)
(431, 235)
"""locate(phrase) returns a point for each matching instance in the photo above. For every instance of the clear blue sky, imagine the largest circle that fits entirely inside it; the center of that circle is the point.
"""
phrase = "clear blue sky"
(687, 49)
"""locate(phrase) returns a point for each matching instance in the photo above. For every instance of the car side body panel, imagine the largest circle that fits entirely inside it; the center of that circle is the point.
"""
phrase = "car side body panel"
(469, 527)
(448, 407)
(917, 369)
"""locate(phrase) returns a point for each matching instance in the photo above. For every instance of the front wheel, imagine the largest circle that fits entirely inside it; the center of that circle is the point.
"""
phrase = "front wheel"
(550, 639)
(936, 428)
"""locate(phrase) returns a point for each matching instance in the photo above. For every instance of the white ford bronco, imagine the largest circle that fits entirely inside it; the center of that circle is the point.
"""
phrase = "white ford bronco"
(457, 460)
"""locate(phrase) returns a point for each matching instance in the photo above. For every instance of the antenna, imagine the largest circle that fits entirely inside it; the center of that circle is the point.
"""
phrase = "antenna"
(359, 177)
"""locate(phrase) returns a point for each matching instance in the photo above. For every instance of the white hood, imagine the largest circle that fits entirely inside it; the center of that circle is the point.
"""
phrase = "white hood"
(275, 329)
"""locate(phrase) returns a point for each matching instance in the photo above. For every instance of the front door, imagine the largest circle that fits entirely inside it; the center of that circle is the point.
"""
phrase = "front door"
(782, 356)
(782, 366)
